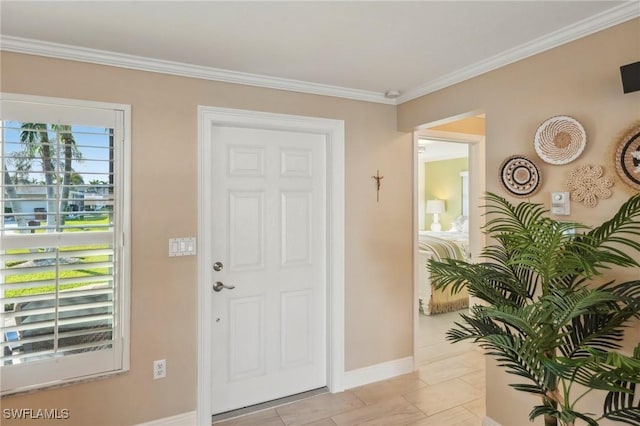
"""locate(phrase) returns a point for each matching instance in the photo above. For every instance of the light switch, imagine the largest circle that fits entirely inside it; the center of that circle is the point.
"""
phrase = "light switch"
(182, 246)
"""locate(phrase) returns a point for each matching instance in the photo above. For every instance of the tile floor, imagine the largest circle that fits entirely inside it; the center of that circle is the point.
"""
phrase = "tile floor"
(447, 389)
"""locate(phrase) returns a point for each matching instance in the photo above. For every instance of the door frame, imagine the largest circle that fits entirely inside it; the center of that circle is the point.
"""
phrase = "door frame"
(334, 132)
(477, 185)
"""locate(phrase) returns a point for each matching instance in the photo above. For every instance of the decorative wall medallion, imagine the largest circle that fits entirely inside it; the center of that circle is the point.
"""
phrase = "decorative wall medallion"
(627, 157)
(520, 176)
(560, 140)
(588, 183)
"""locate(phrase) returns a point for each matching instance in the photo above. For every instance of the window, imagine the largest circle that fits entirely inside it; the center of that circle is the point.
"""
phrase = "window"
(64, 284)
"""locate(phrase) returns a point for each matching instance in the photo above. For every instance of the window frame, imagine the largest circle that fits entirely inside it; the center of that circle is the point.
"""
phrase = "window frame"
(46, 373)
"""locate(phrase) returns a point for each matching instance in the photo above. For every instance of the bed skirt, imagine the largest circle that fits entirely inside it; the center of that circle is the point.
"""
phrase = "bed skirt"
(443, 301)
(437, 248)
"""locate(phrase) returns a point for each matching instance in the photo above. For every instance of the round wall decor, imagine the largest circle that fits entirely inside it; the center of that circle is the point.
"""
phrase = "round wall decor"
(589, 183)
(520, 176)
(627, 157)
(560, 140)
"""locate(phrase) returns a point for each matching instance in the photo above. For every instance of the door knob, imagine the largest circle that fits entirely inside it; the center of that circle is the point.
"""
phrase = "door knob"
(218, 286)
(218, 266)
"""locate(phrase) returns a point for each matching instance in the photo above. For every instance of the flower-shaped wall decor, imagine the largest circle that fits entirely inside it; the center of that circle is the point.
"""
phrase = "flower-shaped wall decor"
(588, 183)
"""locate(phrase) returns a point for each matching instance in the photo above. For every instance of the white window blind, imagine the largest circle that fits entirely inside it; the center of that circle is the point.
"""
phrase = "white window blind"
(63, 262)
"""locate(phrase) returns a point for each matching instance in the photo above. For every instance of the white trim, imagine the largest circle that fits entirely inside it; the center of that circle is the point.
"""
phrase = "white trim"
(488, 421)
(334, 130)
(616, 15)
(121, 60)
(378, 372)
(601, 21)
(70, 102)
(184, 419)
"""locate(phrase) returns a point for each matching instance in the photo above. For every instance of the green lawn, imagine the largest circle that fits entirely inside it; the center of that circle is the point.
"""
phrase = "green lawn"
(81, 269)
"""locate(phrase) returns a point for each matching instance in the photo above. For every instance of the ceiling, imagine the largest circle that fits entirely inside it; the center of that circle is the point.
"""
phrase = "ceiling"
(353, 49)
(438, 150)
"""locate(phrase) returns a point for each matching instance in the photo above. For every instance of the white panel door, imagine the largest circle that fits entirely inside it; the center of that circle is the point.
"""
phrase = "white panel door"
(269, 235)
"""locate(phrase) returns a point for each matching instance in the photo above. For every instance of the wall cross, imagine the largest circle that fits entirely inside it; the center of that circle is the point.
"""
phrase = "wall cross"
(378, 178)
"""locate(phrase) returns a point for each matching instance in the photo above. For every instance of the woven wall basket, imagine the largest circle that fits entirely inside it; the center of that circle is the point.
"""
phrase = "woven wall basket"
(520, 176)
(560, 140)
(627, 157)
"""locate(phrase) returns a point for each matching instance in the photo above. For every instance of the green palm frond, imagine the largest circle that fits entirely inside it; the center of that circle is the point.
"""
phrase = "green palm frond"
(601, 327)
(544, 320)
(620, 231)
(566, 416)
(519, 357)
(531, 321)
(625, 222)
(489, 282)
(574, 304)
(623, 406)
(597, 370)
(598, 331)
(508, 220)
(629, 292)
(475, 326)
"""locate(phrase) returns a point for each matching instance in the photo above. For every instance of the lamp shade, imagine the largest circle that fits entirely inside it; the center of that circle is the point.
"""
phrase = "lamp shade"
(435, 206)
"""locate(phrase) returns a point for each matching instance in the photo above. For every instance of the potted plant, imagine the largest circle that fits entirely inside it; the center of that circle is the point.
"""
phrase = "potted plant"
(548, 314)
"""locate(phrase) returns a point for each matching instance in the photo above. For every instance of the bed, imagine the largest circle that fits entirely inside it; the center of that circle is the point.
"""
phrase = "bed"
(438, 246)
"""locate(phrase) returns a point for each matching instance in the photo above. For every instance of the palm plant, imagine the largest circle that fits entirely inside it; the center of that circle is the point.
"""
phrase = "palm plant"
(546, 315)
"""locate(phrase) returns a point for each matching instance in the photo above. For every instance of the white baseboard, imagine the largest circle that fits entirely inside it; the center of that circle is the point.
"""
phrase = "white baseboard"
(375, 373)
(488, 421)
(184, 419)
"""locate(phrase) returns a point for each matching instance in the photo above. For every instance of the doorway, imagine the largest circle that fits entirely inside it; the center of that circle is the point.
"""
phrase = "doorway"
(447, 145)
(247, 146)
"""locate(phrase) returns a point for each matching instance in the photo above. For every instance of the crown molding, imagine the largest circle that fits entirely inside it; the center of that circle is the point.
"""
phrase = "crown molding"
(102, 57)
(617, 15)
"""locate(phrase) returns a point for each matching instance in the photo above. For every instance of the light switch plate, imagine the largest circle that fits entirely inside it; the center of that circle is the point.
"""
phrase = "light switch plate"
(182, 246)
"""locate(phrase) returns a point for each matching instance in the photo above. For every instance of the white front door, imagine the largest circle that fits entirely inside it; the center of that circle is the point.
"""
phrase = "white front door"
(268, 233)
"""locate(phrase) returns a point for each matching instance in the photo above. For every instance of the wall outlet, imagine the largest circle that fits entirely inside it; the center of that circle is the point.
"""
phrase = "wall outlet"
(159, 369)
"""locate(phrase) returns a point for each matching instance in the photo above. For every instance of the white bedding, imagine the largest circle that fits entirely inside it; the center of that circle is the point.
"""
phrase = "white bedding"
(461, 239)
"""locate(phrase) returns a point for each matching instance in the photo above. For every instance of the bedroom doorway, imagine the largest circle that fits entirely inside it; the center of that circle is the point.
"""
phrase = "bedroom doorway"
(443, 216)
(448, 184)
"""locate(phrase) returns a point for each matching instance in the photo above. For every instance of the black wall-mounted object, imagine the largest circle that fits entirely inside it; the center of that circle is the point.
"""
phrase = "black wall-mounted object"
(630, 77)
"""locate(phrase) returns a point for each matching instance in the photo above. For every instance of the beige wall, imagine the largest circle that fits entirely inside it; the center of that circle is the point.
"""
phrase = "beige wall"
(164, 186)
(580, 79)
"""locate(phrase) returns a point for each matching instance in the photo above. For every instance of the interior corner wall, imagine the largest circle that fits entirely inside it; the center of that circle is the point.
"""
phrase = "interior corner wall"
(378, 239)
(580, 79)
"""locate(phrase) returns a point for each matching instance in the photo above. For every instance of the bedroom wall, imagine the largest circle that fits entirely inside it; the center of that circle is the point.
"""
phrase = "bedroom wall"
(442, 181)
(580, 79)
(378, 262)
